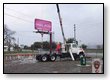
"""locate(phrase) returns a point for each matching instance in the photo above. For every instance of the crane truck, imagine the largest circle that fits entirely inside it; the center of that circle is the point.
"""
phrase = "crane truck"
(70, 50)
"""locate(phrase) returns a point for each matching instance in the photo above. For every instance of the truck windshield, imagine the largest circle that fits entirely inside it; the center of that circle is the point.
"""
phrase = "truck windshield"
(74, 45)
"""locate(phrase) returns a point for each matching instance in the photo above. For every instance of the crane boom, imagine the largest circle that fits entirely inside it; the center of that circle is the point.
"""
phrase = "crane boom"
(58, 10)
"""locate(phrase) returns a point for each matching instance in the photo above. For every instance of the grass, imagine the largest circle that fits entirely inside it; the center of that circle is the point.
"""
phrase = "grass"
(86, 51)
(94, 51)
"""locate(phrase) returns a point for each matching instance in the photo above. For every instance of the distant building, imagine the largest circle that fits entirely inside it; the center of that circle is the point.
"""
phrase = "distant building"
(5, 48)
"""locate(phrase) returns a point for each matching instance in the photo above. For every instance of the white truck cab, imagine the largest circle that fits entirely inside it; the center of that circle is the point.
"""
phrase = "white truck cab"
(73, 49)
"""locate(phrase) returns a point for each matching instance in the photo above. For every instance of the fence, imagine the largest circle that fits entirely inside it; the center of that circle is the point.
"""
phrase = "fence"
(10, 57)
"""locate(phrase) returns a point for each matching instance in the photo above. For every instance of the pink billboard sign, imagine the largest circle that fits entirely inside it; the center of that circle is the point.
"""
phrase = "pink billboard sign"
(43, 25)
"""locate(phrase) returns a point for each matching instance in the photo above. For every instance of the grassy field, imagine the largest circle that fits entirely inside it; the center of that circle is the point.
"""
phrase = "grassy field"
(94, 51)
(30, 51)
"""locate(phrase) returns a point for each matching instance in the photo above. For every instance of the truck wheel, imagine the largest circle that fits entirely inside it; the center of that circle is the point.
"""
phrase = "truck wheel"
(38, 57)
(44, 58)
(52, 57)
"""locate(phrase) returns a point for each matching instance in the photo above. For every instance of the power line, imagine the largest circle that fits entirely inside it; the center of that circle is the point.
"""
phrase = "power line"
(25, 31)
(18, 12)
(18, 18)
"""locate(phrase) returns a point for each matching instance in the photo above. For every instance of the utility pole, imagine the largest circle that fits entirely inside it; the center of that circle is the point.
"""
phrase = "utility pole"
(18, 44)
(75, 32)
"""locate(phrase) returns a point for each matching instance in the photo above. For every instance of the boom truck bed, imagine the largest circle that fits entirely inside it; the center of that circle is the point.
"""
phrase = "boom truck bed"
(73, 51)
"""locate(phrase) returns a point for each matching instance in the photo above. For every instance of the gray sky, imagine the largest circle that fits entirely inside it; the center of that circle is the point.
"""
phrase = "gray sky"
(87, 17)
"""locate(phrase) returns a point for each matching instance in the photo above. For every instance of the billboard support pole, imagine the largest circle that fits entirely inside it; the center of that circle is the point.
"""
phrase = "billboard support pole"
(50, 34)
(44, 27)
(42, 40)
(50, 42)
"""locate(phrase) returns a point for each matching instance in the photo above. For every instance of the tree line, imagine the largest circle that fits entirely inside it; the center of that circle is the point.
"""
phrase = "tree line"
(9, 41)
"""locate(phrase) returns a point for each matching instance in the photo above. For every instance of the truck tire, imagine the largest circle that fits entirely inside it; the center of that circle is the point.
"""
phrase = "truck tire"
(52, 57)
(44, 58)
(38, 57)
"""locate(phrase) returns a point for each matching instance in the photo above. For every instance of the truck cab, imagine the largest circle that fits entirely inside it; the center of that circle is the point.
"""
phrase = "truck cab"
(72, 50)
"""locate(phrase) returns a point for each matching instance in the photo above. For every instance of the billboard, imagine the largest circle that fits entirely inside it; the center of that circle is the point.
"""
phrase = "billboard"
(43, 25)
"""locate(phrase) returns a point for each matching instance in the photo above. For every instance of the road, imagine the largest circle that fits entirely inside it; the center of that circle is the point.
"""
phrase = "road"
(31, 65)
(46, 67)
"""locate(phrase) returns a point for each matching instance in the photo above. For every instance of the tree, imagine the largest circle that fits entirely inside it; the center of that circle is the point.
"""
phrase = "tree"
(46, 45)
(16, 47)
(54, 45)
(36, 45)
(84, 46)
(8, 37)
(26, 47)
(71, 40)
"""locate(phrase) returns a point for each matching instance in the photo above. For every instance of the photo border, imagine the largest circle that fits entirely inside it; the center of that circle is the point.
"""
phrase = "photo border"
(53, 73)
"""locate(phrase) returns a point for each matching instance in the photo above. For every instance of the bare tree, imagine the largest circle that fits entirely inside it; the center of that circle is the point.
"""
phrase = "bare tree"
(8, 37)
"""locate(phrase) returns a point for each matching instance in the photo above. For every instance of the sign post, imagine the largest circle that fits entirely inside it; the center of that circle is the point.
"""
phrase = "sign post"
(96, 66)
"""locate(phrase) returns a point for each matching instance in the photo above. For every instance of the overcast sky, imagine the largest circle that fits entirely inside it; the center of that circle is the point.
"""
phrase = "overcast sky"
(87, 17)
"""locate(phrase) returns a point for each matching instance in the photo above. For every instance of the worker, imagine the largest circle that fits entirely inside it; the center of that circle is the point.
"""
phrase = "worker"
(58, 49)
